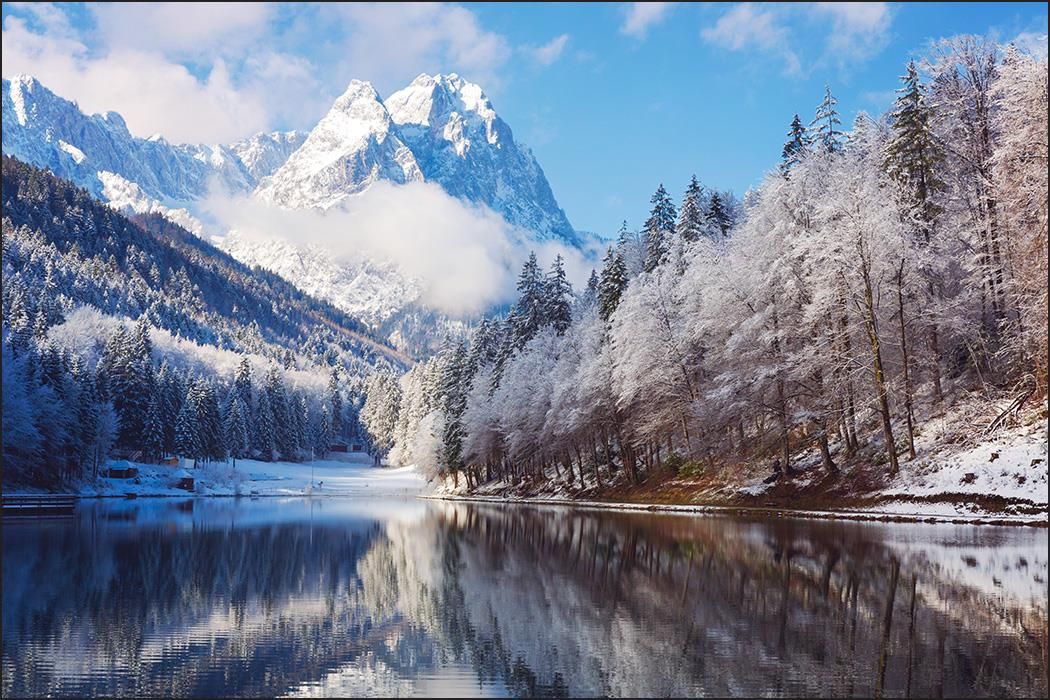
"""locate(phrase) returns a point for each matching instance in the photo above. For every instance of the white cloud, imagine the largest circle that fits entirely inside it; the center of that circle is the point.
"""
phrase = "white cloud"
(390, 44)
(218, 72)
(551, 51)
(641, 16)
(747, 28)
(181, 28)
(464, 257)
(858, 29)
(150, 92)
(840, 34)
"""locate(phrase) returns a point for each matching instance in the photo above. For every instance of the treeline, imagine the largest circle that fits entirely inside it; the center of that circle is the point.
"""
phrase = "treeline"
(64, 417)
(877, 275)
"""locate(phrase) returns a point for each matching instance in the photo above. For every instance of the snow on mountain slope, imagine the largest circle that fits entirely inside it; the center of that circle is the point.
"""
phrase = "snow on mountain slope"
(440, 128)
(463, 145)
(262, 154)
(353, 146)
(45, 130)
(366, 289)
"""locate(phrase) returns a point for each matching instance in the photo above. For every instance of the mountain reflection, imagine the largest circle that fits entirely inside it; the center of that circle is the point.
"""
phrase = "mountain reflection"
(248, 598)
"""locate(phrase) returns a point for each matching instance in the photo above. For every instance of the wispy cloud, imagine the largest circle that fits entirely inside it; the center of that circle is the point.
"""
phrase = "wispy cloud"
(859, 30)
(745, 27)
(640, 17)
(551, 51)
(804, 36)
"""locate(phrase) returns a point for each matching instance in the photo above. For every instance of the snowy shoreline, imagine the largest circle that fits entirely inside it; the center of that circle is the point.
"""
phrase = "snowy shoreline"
(354, 477)
(772, 512)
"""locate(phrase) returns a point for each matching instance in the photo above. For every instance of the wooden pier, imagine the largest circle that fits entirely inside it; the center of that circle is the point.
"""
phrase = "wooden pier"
(38, 506)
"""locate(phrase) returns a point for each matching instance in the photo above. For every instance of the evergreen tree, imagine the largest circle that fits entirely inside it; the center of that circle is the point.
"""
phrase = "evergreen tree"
(265, 443)
(284, 438)
(242, 381)
(912, 155)
(20, 323)
(590, 293)
(300, 421)
(484, 344)
(110, 368)
(453, 391)
(719, 218)
(557, 293)
(506, 347)
(691, 214)
(153, 436)
(531, 307)
(335, 406)
(323, 434)
(612, 283)
(235, 429)
(172, 391)
(187, 431)
(659, 225)
(796, 146)
(209, 422)
(829, 134)
(89, 418)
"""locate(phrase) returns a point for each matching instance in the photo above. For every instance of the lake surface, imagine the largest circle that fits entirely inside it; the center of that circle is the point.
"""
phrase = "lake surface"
(298, 597)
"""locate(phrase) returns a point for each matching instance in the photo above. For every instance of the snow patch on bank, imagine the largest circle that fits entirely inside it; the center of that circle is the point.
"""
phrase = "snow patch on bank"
(352, 477)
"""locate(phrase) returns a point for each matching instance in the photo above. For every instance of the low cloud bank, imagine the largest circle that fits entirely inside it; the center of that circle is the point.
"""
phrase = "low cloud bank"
(466, 258)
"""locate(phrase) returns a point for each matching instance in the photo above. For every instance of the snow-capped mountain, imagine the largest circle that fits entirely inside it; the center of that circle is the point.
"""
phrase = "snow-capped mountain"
(462, 144)
(440, 129)
(263, 153)
(369, 290)
(43, 129)
(353, 146)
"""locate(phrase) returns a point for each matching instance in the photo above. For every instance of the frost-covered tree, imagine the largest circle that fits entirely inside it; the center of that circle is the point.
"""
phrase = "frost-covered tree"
(796, 147)
(612, 283)
(380, 412)
(235, 429)
(1019, 169)
(153, 436)
(719, 217)
(827, 124)
(557, 295)
(264, 442)
(187, 431)
(658, 228)
(530, 310)
(691, 215)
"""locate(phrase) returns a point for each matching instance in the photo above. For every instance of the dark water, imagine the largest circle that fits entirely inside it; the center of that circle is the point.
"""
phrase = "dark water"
(219, 597)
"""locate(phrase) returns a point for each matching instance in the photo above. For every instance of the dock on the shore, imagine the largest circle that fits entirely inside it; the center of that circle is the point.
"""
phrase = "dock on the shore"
(45, 505)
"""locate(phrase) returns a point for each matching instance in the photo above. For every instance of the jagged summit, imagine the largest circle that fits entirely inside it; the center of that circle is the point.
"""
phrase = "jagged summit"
(441, 129)
(461, 143)
(354, 145)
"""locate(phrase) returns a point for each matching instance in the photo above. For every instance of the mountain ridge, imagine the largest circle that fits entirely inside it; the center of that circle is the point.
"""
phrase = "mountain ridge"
(440, 129)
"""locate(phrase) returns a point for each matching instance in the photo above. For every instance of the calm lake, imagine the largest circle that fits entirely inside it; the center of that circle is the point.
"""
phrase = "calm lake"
(298, 597)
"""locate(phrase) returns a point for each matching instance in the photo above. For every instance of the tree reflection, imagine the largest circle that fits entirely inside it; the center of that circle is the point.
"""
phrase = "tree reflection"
(527, 601)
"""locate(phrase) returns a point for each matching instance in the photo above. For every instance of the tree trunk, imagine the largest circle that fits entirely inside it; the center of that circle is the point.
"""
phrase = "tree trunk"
(871, 322)
(908, 391)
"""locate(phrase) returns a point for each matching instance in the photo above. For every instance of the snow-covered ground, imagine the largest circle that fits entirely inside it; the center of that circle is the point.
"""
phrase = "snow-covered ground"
(352, 476)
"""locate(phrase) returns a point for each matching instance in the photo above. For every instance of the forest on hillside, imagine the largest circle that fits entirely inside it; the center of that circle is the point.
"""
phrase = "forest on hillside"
(137, 338)
(880, 275)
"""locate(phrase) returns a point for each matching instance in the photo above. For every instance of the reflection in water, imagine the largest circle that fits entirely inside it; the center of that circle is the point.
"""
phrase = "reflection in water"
(344, 597)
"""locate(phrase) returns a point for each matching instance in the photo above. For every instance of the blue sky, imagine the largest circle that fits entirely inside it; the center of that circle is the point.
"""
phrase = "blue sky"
(612, 98)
